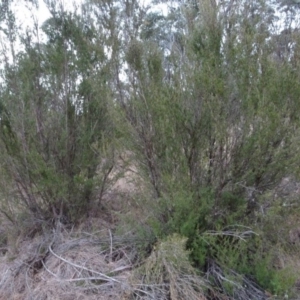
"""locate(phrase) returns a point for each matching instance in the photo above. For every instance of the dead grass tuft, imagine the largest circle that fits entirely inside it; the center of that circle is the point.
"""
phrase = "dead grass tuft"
(64, 265)
(168, 274)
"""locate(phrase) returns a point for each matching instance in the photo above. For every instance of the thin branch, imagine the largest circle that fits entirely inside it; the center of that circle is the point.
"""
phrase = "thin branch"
(111, 250)
(104, 277)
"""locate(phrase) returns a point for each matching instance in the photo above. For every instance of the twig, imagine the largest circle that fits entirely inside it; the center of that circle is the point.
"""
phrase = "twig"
(239, 235)
(111, 247)
(104, 277)
(53, 274)
(119, 269)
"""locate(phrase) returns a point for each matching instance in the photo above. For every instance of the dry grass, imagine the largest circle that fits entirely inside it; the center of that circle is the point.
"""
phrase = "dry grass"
(168, 274)
(64, 265)
(77, 265)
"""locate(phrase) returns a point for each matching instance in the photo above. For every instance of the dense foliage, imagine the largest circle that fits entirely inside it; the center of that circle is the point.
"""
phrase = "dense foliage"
(205, 98)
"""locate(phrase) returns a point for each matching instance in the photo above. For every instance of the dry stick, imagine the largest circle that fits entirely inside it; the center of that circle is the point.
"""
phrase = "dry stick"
(228, 280)
(83, 278)
(70, 280)
(53, 274)
(27, 283)
(231, 233)
(111, 250)
(119, 269)
(105, 277)
(4, 278)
